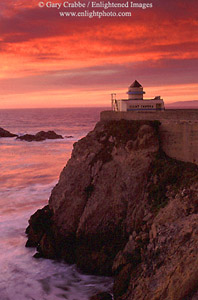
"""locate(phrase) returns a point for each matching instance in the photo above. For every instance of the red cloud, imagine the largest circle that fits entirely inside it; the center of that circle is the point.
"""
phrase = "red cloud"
(161, 41)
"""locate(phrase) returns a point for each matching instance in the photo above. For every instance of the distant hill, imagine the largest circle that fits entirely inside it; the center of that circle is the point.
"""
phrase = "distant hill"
(183, 104)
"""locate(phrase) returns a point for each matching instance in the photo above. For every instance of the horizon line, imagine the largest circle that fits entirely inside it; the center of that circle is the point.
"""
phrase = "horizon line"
(54, 107)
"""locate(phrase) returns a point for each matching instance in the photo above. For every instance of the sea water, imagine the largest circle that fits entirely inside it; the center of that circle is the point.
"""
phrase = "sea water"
(28, 172)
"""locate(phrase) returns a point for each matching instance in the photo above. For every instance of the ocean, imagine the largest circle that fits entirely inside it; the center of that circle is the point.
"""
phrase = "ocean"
(29, 171)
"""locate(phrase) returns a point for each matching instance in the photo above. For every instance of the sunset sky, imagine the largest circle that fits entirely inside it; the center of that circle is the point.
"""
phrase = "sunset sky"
(53, 61)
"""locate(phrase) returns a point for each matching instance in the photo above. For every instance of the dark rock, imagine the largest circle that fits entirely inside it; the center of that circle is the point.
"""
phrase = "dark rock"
(122, 281)
(37, 255)
(26, 137)
(40, 136)
(102, 296)
(47, 246)
(48, 135)
(69, 136)
(39, 224)
(5, 133)
(95, 261)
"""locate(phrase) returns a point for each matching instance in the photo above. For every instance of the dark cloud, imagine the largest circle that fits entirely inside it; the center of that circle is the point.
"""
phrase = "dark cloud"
(164, 72)
(30, 23)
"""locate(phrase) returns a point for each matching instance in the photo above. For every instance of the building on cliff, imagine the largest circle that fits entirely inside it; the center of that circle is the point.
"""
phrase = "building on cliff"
(135, 101)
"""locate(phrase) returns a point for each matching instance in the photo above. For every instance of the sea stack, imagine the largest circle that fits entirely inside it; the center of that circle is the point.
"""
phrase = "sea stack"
(5, 133)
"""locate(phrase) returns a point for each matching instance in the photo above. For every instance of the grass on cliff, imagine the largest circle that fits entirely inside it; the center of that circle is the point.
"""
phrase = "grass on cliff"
(121, 131)
(125, 130)
(169, 172)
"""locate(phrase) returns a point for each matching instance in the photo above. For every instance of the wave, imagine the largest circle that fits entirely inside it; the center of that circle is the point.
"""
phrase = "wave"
(18, 200)
(45, 279)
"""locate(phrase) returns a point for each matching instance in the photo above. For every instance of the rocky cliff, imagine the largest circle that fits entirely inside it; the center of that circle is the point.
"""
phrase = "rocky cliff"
(123, 207)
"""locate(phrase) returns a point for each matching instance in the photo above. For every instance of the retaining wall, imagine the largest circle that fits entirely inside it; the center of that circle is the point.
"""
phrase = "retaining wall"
(178, 130)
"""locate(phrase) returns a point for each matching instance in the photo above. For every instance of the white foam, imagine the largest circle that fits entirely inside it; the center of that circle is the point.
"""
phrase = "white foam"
(23, 277)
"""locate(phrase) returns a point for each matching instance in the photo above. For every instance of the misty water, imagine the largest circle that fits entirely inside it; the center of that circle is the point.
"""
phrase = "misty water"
(29, 170)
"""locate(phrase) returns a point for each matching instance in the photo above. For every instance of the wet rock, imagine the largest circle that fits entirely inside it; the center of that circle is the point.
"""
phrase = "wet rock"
(47, 247)
(102, 296)
(40, 136)
(5, 133)
(93, 262)
(122, 280)
(38, 255)
(27, 137)
(39, 224)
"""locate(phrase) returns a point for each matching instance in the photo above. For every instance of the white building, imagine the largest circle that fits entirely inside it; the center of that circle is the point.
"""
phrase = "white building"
(135, 101)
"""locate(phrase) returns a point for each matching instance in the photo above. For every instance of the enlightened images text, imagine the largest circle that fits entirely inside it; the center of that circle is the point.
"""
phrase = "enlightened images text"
(101, 4)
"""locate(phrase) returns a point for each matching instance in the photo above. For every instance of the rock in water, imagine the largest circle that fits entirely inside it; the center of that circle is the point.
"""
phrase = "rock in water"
(123, 207)
(26, 137)
(40, 136)
(5, 133)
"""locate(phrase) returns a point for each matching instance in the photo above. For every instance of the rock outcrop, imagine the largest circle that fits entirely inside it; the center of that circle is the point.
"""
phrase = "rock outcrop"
(5, 133)
(40, 136)
(69, 136)
(123, 207)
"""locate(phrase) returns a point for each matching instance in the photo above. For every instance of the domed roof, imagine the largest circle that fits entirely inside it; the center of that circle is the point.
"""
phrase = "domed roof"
(135, 84)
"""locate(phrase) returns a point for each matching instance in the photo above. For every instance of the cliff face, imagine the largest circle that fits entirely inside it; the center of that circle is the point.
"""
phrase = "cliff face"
(122, 207)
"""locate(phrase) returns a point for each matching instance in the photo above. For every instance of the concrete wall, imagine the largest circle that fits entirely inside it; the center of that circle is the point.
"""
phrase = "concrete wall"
(178, 130)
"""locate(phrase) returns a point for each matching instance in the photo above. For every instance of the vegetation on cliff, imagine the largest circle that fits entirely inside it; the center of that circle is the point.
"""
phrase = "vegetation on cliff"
(168, 173)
